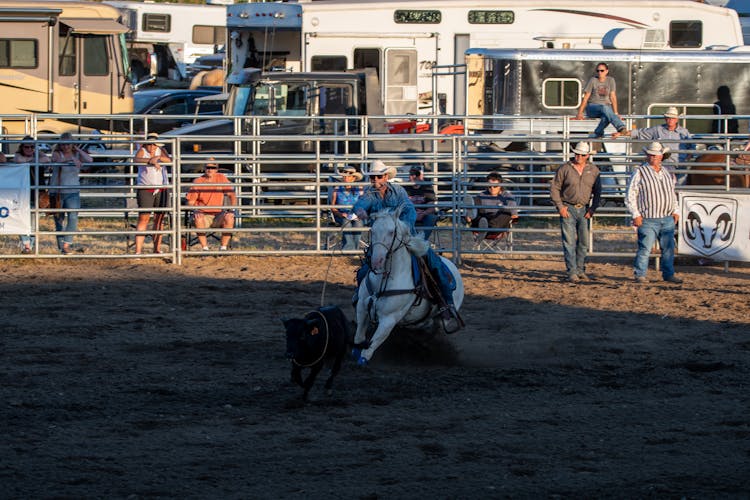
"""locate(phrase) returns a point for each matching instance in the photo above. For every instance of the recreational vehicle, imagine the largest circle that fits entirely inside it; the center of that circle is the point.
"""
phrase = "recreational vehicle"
(61, 57)
(505, 85)
(418, 47)
(165, 37)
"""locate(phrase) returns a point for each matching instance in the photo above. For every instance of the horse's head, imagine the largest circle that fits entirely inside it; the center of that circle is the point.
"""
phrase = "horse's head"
(389, 234)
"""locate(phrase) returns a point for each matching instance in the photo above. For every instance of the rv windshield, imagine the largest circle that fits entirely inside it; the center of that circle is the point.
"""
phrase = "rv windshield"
(125, 55)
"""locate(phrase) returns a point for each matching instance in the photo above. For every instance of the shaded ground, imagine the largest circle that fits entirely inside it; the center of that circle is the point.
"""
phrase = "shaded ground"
(152, 380)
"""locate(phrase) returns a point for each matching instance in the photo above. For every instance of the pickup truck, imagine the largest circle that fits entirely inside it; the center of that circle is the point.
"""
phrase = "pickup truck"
(297, 104)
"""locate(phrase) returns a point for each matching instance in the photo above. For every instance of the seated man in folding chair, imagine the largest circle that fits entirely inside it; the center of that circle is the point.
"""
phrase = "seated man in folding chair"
(495, 208)
(208, 191)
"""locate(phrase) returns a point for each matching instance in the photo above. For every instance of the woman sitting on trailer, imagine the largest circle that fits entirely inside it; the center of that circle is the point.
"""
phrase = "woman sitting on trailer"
(600, 101)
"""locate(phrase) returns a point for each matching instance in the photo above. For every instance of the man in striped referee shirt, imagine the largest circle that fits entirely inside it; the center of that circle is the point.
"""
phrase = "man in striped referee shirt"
(652, 202)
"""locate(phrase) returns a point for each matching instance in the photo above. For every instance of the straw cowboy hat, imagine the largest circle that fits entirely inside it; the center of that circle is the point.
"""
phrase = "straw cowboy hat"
(348, 170)
(671, 112)
(153, 138)
(379, 168)
(655, 148)
(582, 148)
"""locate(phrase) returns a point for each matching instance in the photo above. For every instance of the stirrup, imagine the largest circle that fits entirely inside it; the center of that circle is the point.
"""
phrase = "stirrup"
(452, 317)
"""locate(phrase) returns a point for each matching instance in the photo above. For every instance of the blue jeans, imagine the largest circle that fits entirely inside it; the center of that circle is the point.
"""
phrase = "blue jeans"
(651, 229)
(349, 239)
(426, 224)
(575, 239)
(606, 115)
(71, 201)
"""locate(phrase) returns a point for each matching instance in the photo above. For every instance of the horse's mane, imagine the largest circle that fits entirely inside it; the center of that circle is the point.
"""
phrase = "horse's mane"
(416, 244)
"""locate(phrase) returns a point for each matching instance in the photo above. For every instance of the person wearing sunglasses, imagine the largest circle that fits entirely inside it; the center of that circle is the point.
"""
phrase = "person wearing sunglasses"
(600, 101)
(382, 194)
(207, 195)
(27, 153)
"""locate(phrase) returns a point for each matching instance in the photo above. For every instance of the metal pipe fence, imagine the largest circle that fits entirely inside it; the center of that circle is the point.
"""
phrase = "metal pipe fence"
(283, 193)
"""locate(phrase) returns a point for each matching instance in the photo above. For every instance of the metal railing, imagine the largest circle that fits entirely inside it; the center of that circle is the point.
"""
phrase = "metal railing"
(282, 183)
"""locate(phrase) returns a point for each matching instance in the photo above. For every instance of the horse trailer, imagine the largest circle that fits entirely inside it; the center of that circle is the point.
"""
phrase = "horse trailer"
(418, 47)
(504, 85)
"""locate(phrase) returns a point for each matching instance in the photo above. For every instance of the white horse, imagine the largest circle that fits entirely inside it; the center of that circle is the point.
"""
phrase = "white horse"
(388, 294)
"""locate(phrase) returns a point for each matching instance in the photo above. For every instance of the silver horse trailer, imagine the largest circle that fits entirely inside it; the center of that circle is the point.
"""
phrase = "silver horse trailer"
(505, 85)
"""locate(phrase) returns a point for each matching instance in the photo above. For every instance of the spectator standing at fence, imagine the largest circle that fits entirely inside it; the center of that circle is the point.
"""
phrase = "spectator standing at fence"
(576, 191)
(652, 203)
(207, 195)
(422, 196)
(669, 134)
(600, 101)
(496, 206)
(343, 198)
(26, 153)
(153, 192)
(67, 162)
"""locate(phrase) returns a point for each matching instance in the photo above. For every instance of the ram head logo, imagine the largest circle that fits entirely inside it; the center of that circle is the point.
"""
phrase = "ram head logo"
(710, 225)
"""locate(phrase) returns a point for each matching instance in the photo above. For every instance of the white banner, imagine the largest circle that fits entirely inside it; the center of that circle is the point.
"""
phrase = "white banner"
(715, 225)
(15, 208)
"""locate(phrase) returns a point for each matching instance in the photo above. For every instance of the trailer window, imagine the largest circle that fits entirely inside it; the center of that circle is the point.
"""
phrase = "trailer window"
(18, 53)
(157, 23)
(694, 125)
(561, 93)
(95, 60)
(208, 35)
(335, 100)
(367, 58)
(328, 63)
(686, 34)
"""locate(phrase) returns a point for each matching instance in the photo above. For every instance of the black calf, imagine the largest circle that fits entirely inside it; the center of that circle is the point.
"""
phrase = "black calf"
(323, 335)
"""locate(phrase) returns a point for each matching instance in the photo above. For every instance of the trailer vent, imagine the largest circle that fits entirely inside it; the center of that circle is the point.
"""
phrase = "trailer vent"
(634, 39)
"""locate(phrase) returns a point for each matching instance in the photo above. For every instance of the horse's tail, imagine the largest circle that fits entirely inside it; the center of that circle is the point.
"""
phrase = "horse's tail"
(197, 80)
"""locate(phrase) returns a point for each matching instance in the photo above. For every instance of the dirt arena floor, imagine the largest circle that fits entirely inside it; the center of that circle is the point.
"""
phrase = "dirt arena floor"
(150, 380)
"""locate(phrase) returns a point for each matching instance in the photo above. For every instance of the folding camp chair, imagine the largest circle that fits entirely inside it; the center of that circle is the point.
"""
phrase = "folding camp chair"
(494, 240)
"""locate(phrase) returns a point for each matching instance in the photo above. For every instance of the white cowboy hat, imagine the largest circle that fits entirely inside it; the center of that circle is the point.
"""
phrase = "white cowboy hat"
(582, 148)
(671, 112)
(153, 138)
(343, 170)
(377, 167)
(655, 148)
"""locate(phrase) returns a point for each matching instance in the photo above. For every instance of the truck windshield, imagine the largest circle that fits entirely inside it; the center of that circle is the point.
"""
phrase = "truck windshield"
(272, 99)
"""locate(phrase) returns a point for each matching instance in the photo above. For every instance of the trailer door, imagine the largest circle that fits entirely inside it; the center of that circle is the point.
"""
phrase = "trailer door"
(87, 66)
(400, 81)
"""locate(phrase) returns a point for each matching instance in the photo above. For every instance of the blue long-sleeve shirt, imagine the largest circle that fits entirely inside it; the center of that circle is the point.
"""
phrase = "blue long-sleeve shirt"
(395, 196)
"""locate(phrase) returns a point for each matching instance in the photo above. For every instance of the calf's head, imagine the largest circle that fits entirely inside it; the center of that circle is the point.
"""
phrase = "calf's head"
(300, 334)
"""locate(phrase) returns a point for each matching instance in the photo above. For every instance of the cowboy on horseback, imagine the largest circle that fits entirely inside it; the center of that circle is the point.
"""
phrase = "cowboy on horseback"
(382, 194)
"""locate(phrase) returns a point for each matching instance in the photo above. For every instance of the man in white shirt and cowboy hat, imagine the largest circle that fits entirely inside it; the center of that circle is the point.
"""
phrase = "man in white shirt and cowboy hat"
(652, 202)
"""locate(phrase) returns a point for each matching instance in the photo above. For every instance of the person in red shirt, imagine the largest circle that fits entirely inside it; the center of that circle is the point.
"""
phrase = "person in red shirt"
(208, 192)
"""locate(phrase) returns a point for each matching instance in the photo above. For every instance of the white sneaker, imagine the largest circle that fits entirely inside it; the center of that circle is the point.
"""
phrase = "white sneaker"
(222, 248)
(205, 249)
